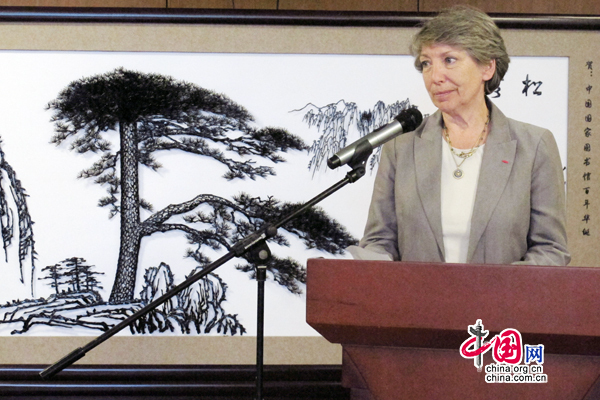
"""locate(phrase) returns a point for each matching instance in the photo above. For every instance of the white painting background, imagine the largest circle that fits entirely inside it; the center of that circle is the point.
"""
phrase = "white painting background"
(69, 223)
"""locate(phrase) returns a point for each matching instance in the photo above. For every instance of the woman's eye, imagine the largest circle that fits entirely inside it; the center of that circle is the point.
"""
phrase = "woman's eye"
(450, 60)
(424, 64)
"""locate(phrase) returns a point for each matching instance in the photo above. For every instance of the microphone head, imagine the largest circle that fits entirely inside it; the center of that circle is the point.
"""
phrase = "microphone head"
(410, 119)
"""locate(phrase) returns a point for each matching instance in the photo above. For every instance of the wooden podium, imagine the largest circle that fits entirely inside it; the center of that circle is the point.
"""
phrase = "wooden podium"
(401, 325)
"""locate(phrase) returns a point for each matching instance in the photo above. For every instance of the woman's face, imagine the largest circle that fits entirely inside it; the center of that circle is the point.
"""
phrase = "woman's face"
(454, 80)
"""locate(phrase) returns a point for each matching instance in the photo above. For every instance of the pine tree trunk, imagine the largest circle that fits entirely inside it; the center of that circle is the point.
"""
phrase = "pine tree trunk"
(124, 285)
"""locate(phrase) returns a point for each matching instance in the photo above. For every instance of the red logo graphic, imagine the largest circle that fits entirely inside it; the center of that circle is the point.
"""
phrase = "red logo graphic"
(508, 347)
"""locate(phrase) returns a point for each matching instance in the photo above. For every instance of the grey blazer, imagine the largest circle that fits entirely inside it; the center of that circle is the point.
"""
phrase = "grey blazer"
(519, 212)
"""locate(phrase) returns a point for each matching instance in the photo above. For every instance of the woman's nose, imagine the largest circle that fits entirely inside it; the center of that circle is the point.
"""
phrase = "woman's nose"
(437, 73)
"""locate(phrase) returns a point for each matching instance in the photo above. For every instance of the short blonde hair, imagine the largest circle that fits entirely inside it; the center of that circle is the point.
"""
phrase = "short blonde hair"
(471, 30)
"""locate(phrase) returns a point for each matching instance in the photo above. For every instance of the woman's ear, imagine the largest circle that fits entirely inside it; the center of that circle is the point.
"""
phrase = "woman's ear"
(489, 70)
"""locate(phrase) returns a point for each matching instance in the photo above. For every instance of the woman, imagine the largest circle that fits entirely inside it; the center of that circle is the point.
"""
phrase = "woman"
(469, 185)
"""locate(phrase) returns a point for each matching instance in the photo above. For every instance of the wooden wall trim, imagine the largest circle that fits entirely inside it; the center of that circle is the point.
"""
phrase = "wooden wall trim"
(198, 382)
(269, 17)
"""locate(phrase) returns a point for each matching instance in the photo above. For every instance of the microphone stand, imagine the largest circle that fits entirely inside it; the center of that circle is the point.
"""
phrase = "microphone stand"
(256, 247)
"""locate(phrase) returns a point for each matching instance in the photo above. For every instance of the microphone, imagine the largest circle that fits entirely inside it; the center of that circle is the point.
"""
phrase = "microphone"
(408, 120)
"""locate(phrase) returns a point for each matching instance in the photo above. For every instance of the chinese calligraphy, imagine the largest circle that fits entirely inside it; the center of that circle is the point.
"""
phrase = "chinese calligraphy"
(529, 83)
(587, 156)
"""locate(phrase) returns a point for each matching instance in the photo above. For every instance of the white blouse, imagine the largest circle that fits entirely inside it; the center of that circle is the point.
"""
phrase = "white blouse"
(458, 199)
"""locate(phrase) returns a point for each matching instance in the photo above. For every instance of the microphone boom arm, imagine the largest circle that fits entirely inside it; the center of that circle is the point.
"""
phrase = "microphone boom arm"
(255, 241)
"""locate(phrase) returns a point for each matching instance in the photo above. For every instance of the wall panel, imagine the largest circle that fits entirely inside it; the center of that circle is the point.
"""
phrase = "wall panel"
(222, 4)
(225, 4)
(577, 7)
(86, 3)
(350, 5)
(255, 4)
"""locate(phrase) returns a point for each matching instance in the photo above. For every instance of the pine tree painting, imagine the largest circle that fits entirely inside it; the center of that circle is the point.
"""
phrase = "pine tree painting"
(151, 114)
(14, 212)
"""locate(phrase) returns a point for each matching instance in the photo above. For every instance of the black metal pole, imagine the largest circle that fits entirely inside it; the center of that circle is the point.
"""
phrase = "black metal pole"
(261, 275)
